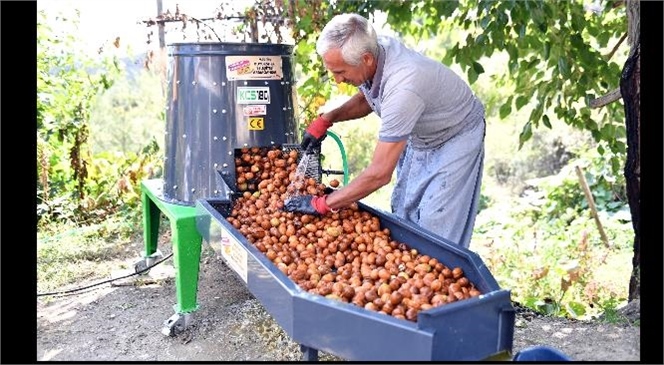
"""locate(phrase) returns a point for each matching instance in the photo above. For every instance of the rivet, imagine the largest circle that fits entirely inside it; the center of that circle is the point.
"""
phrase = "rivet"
(175, 187)
(266, 82)
(287, 82)
(214, 111)
(184, 136)
(223, 138)
(286, 134)
(214, 83)
(193, 82)
(284, 108)
(246, 145)
(282, 82)
(193, 190)
(230, 153)
(215, 165)
(177, 82)
(224, 165)
(271, 142)
(216, 191)
(223, 84)
(223, 111)
(214, 138)
(167, 107)
(245, 83)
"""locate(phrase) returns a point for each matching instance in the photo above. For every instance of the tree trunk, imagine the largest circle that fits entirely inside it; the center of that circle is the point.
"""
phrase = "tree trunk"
(630, 91)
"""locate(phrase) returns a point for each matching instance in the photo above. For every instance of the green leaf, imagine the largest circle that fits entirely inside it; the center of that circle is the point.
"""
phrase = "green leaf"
(536, 114)
(513, 65)
(485, 22)
(545, 120)
(576, 309)
(563, 68)
(576, 41)
(447, 8)
(480, 40)
(505, 110)
(596, 135)
(600, 150)
(521, 100)
(472, 75)
(513, 52)
(532, 63)
(522, 30)
(615, 164)
(478, 67)
(526, 133)
(542, 27)
(547, 50)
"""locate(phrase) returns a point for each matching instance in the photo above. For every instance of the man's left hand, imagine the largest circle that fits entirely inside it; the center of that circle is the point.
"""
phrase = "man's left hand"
(307, 204)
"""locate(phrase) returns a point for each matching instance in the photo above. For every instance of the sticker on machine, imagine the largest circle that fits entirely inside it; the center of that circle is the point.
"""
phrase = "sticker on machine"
(256, 124)
(254, 110)
(234, 254)
(254, 68)
(253, 95)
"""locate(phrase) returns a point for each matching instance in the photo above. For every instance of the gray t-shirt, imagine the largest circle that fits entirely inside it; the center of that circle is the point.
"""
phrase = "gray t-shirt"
(418, 97)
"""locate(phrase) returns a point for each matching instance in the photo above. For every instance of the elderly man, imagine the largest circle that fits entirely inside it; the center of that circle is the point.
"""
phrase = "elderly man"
(432, 130)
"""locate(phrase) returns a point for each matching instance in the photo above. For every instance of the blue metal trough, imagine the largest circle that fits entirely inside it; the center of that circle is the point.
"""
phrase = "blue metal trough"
(472, 329)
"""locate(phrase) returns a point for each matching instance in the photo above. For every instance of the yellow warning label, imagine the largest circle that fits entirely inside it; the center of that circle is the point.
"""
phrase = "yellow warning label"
(256, 124)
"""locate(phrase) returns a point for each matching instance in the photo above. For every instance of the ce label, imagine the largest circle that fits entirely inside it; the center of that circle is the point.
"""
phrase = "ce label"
(256, 124)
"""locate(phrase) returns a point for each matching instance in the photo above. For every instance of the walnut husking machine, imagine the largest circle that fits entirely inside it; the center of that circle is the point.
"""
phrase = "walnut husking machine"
(224, 97)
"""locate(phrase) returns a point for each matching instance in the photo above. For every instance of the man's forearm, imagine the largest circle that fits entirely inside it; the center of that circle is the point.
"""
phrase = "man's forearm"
(354, 108)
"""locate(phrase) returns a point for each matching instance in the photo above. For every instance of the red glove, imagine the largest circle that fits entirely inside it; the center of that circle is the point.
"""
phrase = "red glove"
(319, 127)
(320, 204)
(315, 132)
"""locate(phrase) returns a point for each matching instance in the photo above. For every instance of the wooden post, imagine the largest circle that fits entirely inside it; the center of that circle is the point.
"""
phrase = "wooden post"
(161, 55)
(591, 204)
(162, 33)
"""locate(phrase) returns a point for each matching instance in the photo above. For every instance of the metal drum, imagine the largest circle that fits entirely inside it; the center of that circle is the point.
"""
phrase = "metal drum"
(223, 97)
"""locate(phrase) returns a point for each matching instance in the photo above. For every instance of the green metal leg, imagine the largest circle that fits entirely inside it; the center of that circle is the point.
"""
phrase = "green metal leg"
(151, 218)
(186, 256)
(185, 239)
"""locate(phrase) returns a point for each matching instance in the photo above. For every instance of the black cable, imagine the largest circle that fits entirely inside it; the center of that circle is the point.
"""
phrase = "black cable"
(107, 281)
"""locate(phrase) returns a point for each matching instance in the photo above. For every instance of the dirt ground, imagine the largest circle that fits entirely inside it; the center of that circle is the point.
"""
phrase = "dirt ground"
(123, 321)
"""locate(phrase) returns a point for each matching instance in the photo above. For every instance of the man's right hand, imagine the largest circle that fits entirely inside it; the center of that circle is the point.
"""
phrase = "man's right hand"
(315, 133)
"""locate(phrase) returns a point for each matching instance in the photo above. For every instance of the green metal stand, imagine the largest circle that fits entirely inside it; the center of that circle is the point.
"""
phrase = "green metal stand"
(186, 248)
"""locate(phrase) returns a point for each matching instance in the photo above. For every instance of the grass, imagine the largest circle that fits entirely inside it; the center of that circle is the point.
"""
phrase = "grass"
(531, 261)
(68, 254)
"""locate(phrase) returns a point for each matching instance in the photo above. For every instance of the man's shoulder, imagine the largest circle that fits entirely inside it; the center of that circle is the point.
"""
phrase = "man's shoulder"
(389, 41)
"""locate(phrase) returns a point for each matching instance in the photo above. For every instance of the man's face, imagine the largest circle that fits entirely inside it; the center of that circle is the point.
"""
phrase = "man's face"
(343, 72)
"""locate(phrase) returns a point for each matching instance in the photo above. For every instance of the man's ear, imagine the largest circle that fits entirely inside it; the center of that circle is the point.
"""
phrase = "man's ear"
(368, 59)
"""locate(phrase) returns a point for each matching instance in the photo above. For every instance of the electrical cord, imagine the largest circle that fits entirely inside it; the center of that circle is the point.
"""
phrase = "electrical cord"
(105, 281)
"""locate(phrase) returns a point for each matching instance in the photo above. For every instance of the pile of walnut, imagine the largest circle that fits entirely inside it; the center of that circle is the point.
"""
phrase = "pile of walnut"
(345, 255)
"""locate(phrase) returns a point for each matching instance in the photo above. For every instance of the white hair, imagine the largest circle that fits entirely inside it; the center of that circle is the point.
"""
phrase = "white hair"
(351, 33)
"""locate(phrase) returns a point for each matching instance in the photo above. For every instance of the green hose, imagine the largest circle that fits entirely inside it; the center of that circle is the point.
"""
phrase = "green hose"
(343, 154)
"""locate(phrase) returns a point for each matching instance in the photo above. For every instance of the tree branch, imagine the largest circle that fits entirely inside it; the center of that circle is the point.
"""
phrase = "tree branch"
(200, 21)
(606, 99)
(615, 48)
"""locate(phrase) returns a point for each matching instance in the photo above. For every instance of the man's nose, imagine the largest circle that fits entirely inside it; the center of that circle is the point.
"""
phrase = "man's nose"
(339, 79)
